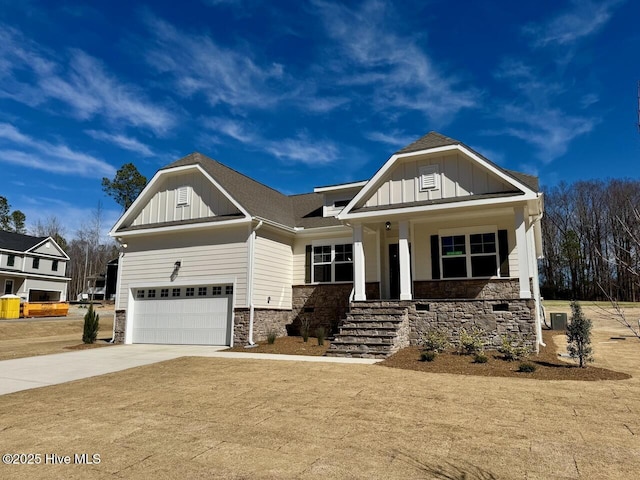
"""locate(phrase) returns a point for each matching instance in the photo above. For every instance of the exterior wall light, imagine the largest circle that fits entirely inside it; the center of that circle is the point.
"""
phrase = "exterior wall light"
(387, 226)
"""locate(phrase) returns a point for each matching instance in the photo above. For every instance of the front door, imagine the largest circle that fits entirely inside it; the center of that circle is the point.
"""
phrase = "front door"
(394, 271)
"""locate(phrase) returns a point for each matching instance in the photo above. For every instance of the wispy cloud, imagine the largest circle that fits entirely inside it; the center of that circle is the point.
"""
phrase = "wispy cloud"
(79, 81)
(396, 138)
(532, 113)
(583, 19)
(394, 69)
(122, 141)
(23, 150)
(197, 65)
(298, 149)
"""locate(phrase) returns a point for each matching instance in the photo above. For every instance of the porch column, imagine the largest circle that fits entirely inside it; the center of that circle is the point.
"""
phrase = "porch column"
(358, 265)
(523, 252)
(405, 260)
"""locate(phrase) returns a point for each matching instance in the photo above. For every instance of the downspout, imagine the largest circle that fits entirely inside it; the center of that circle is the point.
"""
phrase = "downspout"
(252, 240)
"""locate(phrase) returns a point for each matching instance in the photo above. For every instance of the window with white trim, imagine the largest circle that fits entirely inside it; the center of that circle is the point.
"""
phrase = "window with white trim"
(429, 178)
(472, 255)
(11, 261)
(332, 263)
(183, 196)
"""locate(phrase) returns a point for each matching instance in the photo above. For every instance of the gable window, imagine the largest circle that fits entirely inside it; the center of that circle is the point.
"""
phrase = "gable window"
(429, 178)
(11, 261)
(36, 263)
(183, 195)
(332, 263)
(54, 265)
(472, 255)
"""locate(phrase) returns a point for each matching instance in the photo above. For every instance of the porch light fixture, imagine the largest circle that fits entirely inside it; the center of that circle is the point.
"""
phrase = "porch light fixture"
(387, 226)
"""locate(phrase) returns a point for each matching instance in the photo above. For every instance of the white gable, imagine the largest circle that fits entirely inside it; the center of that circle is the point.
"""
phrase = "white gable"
(49, 247)
(184, 195)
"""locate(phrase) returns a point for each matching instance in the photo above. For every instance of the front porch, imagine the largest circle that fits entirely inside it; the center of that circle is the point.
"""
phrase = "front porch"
(379, 328)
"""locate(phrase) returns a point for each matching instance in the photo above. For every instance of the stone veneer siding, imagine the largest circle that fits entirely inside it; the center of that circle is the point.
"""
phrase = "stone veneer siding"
(473, 288)
(495, 317)
(264, 321)
(119, 325)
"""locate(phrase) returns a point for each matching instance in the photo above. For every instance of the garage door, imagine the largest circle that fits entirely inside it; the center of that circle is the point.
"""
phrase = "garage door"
(191, 315)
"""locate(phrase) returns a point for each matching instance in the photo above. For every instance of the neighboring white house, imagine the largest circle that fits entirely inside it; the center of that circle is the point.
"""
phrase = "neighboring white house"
(34, 268)
(211, 256)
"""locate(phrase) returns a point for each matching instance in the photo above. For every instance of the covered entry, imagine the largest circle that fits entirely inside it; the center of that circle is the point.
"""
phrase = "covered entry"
(183, 315)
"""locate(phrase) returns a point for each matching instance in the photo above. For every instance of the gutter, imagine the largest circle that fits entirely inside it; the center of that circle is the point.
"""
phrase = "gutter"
(252, 240)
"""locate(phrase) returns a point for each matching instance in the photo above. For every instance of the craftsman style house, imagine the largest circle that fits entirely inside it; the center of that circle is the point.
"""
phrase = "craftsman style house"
(33, 268)
(438, 237)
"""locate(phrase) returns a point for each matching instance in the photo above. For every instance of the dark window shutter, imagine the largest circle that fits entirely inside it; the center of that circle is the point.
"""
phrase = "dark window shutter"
(435, 257)
(307, 264)
(503, 251)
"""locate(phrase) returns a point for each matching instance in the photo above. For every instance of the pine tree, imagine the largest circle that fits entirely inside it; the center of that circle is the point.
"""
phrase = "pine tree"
(91, 325)
(579, 336)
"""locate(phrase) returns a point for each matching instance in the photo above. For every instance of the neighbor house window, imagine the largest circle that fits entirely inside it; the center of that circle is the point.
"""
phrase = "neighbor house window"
(36, 263)
(54, 265)
(8, 287)
(332, 263)
(473, 255)
(11, 261)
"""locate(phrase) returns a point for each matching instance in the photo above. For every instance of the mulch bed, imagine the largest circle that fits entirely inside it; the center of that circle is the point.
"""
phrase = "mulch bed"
(548, 365)
(286, 346)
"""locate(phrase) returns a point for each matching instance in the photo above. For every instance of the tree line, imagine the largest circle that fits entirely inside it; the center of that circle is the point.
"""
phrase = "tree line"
(591, 241)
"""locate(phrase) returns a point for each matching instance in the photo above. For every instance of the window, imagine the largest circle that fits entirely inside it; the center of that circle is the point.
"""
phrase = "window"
(8, 287)
(228, 290)
(54, 265)
(175, 292)
(11, 261)
(151, 293)
(473, 255)
(429, 178)
(182, 196)
(140, 294)
(202, 291)
(164, 293)
(216, 290)
(36, 263)
(190, 291)
(332, 263)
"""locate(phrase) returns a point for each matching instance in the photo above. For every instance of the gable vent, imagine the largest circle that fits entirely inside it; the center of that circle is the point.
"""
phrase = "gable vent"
(429, 178)
(182, 196)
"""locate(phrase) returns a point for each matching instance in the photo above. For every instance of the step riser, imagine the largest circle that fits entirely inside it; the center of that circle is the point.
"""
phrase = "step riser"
(367, 332)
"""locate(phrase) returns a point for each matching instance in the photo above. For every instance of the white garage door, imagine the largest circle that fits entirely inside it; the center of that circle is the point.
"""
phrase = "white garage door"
(192, 315)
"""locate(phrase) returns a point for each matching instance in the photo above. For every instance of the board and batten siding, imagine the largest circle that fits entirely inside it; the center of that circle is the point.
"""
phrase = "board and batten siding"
(459, 177)
(206, 256)
(272, 271)
(48, 248)
(204, 201)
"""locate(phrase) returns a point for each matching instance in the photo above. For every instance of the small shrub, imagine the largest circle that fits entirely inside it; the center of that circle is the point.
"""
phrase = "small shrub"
(471, 341)
(579, 336)
(428, 356)
(526, 367)
(91, 325)
(435, 340)
(513, 348)
(480, 357)
(271, 337)
(305, 327)
(320, 334)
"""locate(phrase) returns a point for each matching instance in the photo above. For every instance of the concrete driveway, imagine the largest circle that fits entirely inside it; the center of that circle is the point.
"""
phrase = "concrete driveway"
(44, 370)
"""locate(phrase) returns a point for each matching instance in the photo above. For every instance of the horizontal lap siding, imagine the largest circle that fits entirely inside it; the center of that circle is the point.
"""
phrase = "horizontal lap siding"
(205, 256)
(273, 275)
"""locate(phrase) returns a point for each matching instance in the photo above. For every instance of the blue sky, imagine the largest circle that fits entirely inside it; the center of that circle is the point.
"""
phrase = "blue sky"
(299, 94)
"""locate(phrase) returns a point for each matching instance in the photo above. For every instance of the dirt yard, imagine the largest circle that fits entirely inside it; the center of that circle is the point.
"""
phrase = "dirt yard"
(27, 337)
(241, 419)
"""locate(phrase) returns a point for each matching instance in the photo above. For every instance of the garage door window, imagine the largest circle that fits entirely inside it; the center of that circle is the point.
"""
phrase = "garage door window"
(202, 291)
(140, 294)
(216, 291)
(164, 293)
(151, 293)
(190, 292)
(175, 292)
(184, 292)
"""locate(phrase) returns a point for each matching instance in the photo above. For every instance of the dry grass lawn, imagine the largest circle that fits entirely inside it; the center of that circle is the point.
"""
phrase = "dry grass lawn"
(241, 419)
(30, 337)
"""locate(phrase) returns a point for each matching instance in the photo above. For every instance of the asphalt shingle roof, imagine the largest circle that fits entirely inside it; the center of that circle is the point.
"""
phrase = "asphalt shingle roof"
(18, 242)
(305, 210)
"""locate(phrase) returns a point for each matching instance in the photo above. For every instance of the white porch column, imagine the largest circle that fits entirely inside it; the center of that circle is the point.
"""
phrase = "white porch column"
(523, 252)
(358, 265)
(405, 260)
